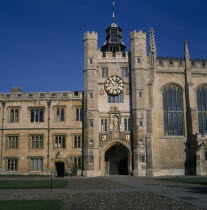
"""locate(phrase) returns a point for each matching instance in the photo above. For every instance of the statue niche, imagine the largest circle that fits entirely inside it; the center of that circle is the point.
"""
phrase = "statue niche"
(115, 122)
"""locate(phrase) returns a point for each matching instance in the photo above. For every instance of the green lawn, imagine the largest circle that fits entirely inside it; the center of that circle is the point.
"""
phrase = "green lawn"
(193, 180)
(30, 204)
(32, 184)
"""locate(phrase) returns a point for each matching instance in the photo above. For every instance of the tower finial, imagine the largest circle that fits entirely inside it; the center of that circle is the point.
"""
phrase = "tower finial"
(187, 54)
(113, 15)
(152, 48)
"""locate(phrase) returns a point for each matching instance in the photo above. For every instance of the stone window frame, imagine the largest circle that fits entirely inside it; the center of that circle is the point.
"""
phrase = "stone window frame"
(201, 108)
(77, 161)
(61, 118)
(78, 113)
(33, 140)
(16, 116)
(12, 163)
(104, 72)
(63, 141)
(37, 108)
(16, 141)
(127, 123)
(78, 138)
(104, 124)
(169, 110)
(124, 72)
(39, 167)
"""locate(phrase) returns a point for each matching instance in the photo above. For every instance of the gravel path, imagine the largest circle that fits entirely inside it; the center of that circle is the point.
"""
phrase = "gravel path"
(99, 193)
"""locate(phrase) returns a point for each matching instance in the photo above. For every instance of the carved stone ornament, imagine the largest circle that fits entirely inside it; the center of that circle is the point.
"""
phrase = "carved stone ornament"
(115, 134)
(115, 122)
(114, 108)
(127, 91)
(102, 92)
(127, 137)
(103, 138)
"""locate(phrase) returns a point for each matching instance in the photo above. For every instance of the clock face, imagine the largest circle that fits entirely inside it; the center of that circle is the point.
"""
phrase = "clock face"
(114, 85)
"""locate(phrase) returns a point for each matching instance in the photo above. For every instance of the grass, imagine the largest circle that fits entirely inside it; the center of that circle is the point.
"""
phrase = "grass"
(193, 180)
(32, 184)
(30, 204)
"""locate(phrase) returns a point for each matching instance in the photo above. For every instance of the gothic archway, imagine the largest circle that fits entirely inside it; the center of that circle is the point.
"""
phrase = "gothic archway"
(117, 159)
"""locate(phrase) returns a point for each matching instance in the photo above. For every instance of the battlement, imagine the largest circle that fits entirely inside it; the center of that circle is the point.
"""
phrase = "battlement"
(174, 62)
(138, 35)
(90, 35)
(67, 95)
(109, 56)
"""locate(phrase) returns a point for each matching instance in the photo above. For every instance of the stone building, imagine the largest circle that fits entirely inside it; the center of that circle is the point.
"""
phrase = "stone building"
(139, 114)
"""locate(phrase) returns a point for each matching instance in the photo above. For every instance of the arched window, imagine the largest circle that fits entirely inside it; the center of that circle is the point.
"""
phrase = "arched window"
(173, 110)
(202, 108)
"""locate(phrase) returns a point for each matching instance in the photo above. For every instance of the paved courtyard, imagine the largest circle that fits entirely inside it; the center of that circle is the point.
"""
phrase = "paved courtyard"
(117, 192)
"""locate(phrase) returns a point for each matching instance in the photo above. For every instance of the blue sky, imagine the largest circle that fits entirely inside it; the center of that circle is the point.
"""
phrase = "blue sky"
(41, 41)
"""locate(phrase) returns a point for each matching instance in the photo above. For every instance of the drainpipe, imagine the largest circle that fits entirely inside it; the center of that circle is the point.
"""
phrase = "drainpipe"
(2, 135)
(48, 138)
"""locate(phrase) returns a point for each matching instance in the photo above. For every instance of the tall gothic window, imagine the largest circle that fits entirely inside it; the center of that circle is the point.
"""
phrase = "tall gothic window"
(173, 110)
(202, 108)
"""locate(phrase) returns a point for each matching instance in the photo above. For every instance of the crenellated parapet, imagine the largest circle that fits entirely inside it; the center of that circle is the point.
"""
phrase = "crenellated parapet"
(66, 95)
(111, 57)
(138, 35)
(91, 35)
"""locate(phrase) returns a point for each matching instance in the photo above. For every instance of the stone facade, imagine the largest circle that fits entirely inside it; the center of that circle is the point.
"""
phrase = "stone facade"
(143, 116)
(39, 139)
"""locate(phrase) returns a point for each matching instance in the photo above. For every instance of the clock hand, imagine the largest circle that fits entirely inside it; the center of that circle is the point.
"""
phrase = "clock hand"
(112, 82)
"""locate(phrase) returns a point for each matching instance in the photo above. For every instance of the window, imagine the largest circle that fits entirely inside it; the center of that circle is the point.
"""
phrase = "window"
(124, 72)
(60, 114)
(141, 158)
(76, 93)
(104, 72)
(171, 62)
(205, 155)
(203, 63)
(90, 123)
(37, 115)
(36, 142)
(202, 108)
(104, 124)
(116, 99)
(138, 60)
(91, 95)
(30, 95)
(91, 61)
(140, 123)
(79, 114)
(12, 164)
(42, 94)
(140, 94)
(91, 159)
(173, 110)
(36, 164)
(77, 162)
(53, 94)
(77, 142)
(127, 123)
(60, 141)
(12, 142)
(65, 94)
(14, 115)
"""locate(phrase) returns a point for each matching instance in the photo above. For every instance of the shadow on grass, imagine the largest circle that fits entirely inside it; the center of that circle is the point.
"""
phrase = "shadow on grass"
(31, 204)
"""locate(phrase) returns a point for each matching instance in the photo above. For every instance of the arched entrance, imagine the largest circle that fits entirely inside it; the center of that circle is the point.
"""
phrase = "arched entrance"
(60, 168)
(117, 160)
